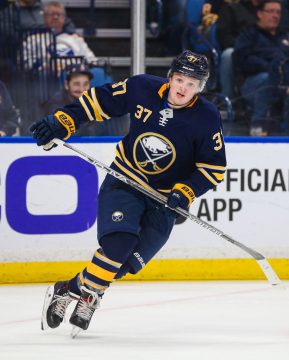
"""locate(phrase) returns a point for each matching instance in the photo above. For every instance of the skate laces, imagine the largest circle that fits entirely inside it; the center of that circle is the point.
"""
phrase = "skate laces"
(61, 303)
(87, 305)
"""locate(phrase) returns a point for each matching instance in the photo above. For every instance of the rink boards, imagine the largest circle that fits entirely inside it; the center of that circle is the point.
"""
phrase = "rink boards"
(48, 209)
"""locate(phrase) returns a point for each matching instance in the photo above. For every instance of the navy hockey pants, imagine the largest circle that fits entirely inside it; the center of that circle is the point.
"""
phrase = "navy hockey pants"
(124, 209)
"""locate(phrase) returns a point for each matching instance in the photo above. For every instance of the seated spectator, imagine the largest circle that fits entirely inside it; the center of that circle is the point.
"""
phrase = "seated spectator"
(279, 81)
(207, 20)
(67, 43)
(255, 49)
(8, 114)
(234, 16)
(31, 16)
(77, 81)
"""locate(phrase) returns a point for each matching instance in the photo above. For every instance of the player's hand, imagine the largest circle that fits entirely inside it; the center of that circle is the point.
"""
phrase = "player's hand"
(181, 195)
(47, 129)
(176, 198)
(59, 125)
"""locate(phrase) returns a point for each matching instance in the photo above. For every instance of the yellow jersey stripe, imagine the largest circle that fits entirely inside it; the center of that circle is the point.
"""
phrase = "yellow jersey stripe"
(219, 176)
(208, 166)
(134, 177)
(107, 260)
(209, 177)
(117, 154)
(88, 113)
(101, 112)
(96, 113)
(100, 272)
(128, 162)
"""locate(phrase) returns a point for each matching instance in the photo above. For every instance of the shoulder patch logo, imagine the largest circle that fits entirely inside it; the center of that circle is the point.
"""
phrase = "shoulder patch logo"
(153, 153)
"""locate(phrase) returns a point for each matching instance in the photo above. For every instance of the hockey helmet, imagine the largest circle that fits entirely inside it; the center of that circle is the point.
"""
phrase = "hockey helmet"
(191, 64)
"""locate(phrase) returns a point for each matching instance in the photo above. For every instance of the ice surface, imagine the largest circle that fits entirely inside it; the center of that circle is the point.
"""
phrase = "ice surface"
(158, 320)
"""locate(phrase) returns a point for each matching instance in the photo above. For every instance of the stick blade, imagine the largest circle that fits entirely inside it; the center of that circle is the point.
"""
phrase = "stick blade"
(269, 272)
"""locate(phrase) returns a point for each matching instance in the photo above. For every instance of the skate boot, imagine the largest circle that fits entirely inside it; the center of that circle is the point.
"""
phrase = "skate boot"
(57, 299)
(82, 314)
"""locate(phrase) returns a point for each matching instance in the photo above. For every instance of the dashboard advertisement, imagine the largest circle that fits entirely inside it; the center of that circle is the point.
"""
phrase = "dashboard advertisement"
(48, 204)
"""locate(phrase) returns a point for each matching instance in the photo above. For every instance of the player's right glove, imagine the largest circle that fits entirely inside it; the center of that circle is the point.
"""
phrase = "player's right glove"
(181, 195)
(59, 125)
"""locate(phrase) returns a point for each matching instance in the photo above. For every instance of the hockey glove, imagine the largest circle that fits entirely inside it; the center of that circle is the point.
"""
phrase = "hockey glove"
(59, 125)
(181, 195)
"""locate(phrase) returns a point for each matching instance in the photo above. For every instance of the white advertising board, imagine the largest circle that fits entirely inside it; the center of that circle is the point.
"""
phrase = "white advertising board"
(48, 204)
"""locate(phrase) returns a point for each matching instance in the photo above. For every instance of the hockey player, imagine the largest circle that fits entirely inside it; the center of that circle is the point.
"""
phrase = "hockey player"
(174, 146)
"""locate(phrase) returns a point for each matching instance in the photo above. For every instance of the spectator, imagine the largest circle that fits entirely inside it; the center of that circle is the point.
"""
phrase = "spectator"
(66, 43)
(8, 114)
(234, 16)
(255, 49)
(31, 16)
(77, 81)
(279, 80)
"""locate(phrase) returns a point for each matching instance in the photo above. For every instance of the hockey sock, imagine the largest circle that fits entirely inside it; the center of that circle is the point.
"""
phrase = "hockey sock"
(99, 273)
(74, 285)
(106, 262)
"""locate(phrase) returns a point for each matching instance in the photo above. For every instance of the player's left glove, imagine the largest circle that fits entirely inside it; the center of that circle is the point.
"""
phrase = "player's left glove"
(181, 195)
(59, 125)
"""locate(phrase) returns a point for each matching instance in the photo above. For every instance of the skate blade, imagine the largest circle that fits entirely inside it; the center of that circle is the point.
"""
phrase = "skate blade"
(47, 300)
(75, 331)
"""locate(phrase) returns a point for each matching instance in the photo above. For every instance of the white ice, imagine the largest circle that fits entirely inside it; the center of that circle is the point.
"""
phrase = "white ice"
(158, 320)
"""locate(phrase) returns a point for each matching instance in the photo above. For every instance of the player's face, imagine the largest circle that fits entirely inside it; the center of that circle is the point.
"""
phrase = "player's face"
(182, 89)
(77, 85)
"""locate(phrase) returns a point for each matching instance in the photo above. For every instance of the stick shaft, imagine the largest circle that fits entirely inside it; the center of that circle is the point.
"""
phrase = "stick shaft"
(262, 261)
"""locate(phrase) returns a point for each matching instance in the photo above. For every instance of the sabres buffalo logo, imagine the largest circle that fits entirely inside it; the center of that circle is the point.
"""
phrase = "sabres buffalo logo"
(117, 216)
(153, 153)
(192, 58)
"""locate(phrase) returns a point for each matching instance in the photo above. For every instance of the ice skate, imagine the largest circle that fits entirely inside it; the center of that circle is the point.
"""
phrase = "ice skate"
(57, 299)
(82, 314)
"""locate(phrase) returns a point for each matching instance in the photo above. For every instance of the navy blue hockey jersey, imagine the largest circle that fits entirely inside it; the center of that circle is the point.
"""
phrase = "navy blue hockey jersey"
(164, 146)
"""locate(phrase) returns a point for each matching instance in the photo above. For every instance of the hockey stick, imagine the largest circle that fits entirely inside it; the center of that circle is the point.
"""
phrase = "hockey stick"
(261, 260)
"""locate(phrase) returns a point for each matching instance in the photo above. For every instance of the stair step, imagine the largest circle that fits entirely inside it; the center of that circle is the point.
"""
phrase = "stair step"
(97, 3)
(125, 61)
(111, 33)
